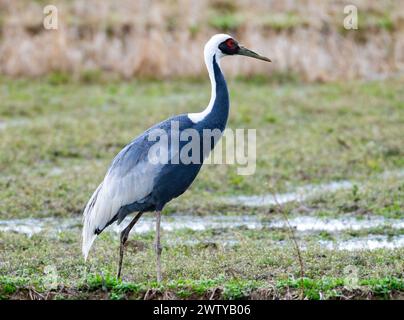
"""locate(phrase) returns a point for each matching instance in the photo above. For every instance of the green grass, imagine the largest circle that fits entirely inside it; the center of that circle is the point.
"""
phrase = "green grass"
(305, 133)
(257, 265)
(254, 267)
(226, 22)
(327, 288)
(58, 136)
(284, 21)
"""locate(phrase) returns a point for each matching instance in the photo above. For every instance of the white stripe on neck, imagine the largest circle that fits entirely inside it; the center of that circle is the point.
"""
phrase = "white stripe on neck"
(199, 116)
(211, 50)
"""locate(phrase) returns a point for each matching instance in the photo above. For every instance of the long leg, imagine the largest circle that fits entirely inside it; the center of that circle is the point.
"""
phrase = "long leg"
(124, 238)
(158, 246)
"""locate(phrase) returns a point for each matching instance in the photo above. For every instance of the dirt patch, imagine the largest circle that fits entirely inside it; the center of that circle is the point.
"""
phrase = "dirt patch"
(217, 293)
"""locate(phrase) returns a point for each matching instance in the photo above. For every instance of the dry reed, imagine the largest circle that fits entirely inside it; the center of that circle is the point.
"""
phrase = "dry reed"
(164, 39)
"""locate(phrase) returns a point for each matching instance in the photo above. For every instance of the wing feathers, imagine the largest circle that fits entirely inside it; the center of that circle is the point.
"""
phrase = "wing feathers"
(113, 193)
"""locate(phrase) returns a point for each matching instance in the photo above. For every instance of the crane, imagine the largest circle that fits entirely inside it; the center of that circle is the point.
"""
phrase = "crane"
(136, 183)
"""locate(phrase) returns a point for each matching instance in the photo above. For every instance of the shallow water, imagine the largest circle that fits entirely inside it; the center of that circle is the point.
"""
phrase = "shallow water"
(196, 223)
(304, 224)
(145, 224)
(13, 123)
(371, 242)
(33, 226)
(301, 193)
(310, 223)
(52, 226)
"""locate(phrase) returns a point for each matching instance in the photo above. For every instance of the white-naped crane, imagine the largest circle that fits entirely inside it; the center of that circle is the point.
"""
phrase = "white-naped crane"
(136, 183)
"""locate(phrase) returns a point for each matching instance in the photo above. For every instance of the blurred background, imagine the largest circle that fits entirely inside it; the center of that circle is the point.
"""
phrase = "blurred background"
(164, 39)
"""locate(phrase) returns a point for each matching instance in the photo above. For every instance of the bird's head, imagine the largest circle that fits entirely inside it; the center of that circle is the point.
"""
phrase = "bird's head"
(224, 45)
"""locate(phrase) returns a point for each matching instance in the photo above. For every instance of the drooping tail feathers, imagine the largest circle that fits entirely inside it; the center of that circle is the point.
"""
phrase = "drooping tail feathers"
(91, 221)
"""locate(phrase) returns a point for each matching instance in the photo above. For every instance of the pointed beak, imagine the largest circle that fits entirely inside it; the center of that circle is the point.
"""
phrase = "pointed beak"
(248, 53)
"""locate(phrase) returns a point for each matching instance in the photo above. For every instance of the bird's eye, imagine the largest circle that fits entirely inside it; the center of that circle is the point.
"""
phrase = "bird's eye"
(229, 46)
(230, 43)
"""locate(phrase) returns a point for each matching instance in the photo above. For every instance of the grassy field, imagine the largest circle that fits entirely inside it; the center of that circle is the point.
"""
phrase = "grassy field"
(57, 137)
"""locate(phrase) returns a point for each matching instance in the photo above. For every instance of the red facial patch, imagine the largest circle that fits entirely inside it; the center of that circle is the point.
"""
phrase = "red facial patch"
(230, 43)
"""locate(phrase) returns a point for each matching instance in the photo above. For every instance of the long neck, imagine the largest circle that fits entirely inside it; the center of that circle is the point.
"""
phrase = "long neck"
(216, 113)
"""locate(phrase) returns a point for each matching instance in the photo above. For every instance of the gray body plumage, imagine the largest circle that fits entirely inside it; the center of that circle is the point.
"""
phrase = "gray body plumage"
(169, 180)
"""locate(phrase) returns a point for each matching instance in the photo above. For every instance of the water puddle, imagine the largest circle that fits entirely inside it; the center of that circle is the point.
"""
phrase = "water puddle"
(302, 224)
(145, 224)
(13, 123)
(370, 242)
(33, 226)
(310, 223)
(301, 193)
(195, 223)
(365, 243)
